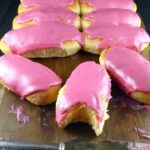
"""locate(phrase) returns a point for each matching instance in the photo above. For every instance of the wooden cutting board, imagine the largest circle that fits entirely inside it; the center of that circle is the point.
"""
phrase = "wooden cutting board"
(42, 127)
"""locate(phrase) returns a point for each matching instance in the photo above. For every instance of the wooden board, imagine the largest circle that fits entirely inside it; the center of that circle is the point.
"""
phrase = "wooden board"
(43, 128)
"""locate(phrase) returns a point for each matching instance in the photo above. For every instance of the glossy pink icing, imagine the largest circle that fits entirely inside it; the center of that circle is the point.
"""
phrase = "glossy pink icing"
(103, 4)
(25, 77)
(130, 69)
(45, 35)
(46, 15)
(43, 3)
(114, 16)
(118, 36)
(85, 86)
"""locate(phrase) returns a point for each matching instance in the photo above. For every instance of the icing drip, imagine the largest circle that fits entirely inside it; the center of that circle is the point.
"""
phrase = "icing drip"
(25, 77)
(20, 114)
(89, 85)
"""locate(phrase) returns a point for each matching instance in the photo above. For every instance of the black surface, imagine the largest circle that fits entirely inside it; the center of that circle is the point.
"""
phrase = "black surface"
(8, 10)
(74, 145)
(144, 11)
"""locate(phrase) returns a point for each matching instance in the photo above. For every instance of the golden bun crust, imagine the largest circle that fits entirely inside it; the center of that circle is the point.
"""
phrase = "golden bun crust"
(4, 47)
(139, 96)
(103, 56)
(86, 8)
(42, 97)
(75, 7)
(83, 113)
(68, 48)
(134, 7)
(85, 22)
(16, 25)
(22, 9)
(91, 44)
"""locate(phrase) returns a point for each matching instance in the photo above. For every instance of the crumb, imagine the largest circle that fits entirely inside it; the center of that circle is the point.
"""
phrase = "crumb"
(20, 114)
(143, 133)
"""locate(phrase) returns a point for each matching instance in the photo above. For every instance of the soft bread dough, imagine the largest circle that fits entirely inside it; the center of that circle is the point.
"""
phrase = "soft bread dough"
(90, 45)
(44, 97)
(81, 112)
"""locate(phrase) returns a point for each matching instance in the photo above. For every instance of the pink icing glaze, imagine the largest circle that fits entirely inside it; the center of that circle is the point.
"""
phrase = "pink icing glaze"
(20, 114)
(103, 4)
(43, 3)
(130, 69)
(114, 17)
(45, 35)
(118, 36)
(46, 15)
(85, 86)
(25, 77)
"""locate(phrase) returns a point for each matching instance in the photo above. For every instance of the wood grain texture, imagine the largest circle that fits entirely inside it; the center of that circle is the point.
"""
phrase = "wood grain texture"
(43, 128)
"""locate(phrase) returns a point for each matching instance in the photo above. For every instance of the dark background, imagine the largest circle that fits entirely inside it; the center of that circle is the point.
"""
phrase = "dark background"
(8, 10)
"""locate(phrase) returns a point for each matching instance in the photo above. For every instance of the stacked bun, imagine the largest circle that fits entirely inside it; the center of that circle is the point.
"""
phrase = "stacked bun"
(44, 29)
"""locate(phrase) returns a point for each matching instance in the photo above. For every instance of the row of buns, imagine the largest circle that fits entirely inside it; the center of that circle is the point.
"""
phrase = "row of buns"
(62, 28)
(57, 28)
